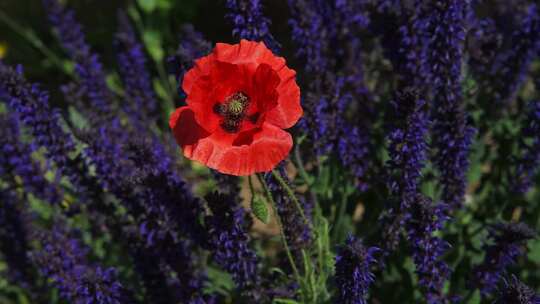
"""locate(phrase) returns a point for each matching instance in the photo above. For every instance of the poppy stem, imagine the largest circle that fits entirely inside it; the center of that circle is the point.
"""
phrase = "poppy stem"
(251, 188)
(280, 224)
(291, 195)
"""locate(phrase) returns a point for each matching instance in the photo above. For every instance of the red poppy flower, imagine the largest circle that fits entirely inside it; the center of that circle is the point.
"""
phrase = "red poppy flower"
(239, 99)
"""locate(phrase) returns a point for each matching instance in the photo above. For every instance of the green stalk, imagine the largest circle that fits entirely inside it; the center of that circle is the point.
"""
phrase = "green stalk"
(281, 231)
(291, 195)
(33, 39)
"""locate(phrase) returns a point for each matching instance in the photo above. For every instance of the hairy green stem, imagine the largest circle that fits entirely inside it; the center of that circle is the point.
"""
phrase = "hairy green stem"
(32, 38)
(291, 195)
(280, 224)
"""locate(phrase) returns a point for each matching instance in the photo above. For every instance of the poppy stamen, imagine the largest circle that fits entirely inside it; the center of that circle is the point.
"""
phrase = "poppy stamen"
(233, 111)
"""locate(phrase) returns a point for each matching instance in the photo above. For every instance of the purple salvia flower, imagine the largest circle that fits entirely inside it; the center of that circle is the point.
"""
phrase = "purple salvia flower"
(192, 46)
(516, 292)
(297, 232)
(141, 175)
(166, 212)
(250, 23)
(408, 147)
(412, 60)
(323, 31)
(451, 135)
(229, 240)
(157, 288)
(228, 184)
(408, 152)
(16, 160)
(509, 69)
(33, 109)
(413, 212)
(507, 242)
(353, 271)
(91, 77)
(14, 240)
(140, 103)
(427, 250)
(529, 161)
(63, 259)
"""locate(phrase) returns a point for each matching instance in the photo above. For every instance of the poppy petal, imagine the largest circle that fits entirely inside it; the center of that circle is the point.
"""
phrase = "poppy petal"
(254, 151)
(202, 67)
(288, 109)
(241, 53)
(186, 130)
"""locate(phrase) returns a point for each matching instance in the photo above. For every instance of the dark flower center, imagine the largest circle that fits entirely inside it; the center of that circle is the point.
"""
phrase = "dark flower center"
(233, 110)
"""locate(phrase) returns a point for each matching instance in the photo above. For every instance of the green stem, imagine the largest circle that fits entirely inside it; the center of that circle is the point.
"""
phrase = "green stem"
(300, 164)
(291, 195)
(251, 189)
(280, 224)
(32, 38)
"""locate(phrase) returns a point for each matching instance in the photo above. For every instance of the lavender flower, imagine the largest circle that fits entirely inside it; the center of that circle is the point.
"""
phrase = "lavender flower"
(140, 101)
(157, 289)
(16, 160)
(452, 136)
(64, 260)
(192, 46)
(516, 292)
(87, 66)
(407, 151)
(333, 86)
(432, 271)
(408, 145)
(508, 243)
(14, 241)
(228, 184)
(414, 212)
(250, 23)
(297, 232)
(353, 271)
(509, 69)
(33, 109)
(529, 161)
(229, 240)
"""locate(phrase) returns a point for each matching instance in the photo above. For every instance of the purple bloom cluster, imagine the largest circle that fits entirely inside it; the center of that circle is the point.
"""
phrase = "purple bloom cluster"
(250, 23)
(297, 232)
(407, 151)
(16, 160)
(516, 292)
(228, 238)
(64, 260)
(33, 109)
(452, 136)
(336, 83)
(192, 46)
(91, 77)
(508, 242)
(353, 271)
(14, 240)
(140, 103)
(414, 212)
(503, 73)
(432, 271)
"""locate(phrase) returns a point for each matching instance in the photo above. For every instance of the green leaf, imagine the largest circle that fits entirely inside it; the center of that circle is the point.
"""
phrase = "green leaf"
(152, 41)
(259, 209)
(285, 301)
(534, 252)
(78, 120)
(475, 299)
(147, 6)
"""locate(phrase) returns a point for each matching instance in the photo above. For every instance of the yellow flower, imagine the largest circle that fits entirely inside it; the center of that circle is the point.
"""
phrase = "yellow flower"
(3, 49)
